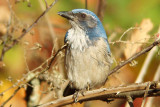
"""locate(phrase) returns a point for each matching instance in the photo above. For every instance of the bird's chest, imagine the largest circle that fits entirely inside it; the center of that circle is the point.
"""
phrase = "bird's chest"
(77, 60)
(78, 66)
(77, 51)
(84, 68)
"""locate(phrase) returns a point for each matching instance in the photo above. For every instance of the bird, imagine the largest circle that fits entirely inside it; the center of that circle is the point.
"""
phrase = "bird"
(88, 55)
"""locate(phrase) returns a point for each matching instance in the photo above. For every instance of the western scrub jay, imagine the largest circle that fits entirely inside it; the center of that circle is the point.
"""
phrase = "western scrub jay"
(88, 57)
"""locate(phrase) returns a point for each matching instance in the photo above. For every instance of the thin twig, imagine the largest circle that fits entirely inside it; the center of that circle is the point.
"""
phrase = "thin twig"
(128, 42)
(145, 94)
(86, 4)
(25, 61)
(156, 78)
(131, 28)
(101, 5)
(5, 102)
(7, 33)
(63, 47)
(46, 4)
(130, 101)
(17, 84)
(134, 57)
(53, 35)
(25, 31)
(26, 79)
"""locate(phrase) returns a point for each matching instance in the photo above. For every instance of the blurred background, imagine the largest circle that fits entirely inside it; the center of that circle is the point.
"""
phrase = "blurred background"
(131, 25)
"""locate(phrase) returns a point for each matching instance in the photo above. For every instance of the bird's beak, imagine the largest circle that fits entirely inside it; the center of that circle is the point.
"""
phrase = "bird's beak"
(67, 15)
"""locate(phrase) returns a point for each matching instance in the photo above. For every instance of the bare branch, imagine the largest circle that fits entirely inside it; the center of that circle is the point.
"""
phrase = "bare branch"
(128, 42)
(86, 4)
(156, 78)
(130, 101)
(26, 79)
(25, 31)
(46, 4)
(136, 90)
(111, 72)
(134, 57)
(101, 5)
(131, 28)
(7, 33)
(145, 94)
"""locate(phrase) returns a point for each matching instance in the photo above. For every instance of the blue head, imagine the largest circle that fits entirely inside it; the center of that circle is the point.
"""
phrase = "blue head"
(87, 21)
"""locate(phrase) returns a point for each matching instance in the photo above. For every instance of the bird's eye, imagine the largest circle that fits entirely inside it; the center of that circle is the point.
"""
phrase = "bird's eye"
(83, 15)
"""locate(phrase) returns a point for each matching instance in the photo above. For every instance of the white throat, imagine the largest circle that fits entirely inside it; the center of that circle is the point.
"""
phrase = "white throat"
(77, 38)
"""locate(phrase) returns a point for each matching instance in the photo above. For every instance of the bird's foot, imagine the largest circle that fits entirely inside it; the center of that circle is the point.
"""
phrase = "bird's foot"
(88, 87)
(82, 92)
(75, 97)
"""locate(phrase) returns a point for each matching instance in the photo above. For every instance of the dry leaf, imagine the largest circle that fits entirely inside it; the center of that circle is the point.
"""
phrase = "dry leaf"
(139, 35)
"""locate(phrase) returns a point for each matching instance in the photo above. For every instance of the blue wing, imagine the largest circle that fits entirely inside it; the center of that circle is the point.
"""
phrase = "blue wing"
(108, 47)
(65, 38)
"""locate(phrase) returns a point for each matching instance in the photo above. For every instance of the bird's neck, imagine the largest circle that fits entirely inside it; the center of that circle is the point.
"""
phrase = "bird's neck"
(78, 39)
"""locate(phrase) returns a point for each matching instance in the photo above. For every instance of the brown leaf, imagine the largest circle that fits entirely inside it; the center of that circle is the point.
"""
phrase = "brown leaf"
(139, 35)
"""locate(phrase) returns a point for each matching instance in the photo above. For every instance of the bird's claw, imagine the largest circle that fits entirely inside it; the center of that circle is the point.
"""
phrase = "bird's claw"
(82, 93)
(75, 97)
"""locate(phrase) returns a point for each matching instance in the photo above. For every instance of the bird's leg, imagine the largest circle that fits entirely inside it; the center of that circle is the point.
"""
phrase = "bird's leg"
(88, 87)
(75, 96)
(82, 92)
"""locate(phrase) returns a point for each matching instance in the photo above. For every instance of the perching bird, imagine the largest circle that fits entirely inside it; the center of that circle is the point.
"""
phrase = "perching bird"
(88, 57)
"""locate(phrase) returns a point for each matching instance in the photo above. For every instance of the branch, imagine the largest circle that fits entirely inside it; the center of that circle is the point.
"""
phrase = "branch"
(7, 33)
(101, 5)
(156, 78)
(141, 89)
(25, 31)
(46, 4)
(5, 102)
(145, 94)
(134, 57)
(28, 79)
(111, 72)
(136, 90)
(86, 4)
(131, 28)
(130, 101)
(52, 58)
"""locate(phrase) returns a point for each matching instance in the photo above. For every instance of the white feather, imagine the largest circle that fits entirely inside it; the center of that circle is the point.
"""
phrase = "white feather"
(77, 37)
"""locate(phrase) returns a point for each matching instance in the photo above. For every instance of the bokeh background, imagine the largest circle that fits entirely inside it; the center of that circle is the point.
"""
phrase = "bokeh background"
(131, 25)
